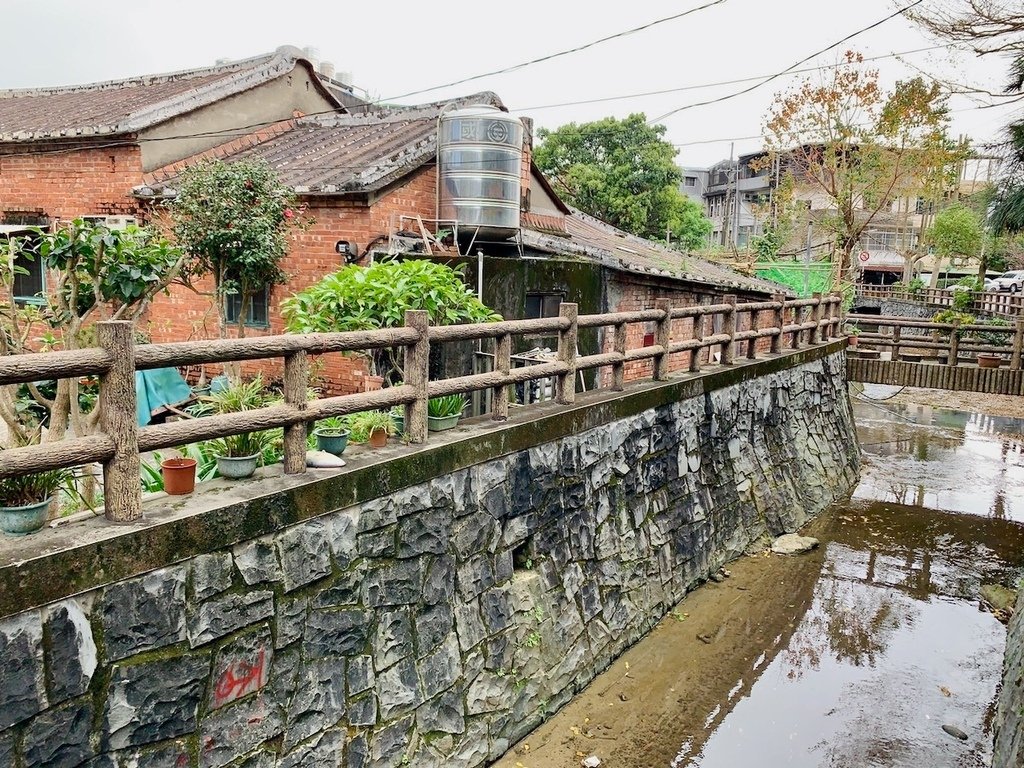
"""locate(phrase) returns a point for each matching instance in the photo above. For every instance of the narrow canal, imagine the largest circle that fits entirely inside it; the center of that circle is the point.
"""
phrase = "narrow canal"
(855, 654)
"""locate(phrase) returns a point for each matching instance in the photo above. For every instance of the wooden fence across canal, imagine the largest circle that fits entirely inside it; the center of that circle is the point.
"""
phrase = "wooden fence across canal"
(733, 328)
(899, 351)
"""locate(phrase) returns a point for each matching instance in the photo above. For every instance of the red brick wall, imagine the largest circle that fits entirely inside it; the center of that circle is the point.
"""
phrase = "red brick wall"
(73, 183)
(629, 296)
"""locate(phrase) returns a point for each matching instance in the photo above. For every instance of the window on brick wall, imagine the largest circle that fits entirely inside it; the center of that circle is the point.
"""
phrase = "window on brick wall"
(29, 273)
(258, 314)
(543, 304)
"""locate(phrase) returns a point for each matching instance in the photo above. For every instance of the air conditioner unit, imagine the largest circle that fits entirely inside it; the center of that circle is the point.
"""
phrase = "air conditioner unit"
(111, 222)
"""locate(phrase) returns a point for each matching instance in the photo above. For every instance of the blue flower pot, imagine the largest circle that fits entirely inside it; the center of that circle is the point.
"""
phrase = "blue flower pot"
(18, 521)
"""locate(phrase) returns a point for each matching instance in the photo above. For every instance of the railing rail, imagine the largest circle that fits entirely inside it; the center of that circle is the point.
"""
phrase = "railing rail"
(953, 338)
(120, 442)
(1001, 303)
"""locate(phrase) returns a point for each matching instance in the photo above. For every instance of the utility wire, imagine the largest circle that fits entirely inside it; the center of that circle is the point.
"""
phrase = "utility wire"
(788, 69)
(551, 56)
(721, 82)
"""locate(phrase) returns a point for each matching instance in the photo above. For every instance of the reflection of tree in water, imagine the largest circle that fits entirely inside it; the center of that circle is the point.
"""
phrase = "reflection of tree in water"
(851, 620)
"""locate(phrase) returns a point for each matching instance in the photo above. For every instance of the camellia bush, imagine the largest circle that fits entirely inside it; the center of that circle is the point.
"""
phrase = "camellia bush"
(366, 298)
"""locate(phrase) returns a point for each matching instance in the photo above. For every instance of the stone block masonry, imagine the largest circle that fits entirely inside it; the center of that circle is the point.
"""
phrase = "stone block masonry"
(1009, 719)
(425, 621)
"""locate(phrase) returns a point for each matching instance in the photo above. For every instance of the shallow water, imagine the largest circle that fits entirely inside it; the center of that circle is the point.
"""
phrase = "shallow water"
(893, 645)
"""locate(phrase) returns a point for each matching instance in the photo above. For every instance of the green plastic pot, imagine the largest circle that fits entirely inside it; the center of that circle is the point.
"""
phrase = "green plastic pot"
(332, 441)
(18, 521)
(237, 467)
(442, 423)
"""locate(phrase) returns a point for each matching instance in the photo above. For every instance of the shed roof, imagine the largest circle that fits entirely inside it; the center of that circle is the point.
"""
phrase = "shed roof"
(127, 106)
(591, 239)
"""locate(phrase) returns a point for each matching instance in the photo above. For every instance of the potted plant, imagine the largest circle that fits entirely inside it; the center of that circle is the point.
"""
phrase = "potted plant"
(25, 500)
(852, 332)
(989, 360)
(238, 455)
(444, 412)
(373, 427)
(331, 435)
(179, 475)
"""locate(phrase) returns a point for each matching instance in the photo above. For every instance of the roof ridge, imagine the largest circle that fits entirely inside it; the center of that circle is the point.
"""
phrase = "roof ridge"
(141, 80)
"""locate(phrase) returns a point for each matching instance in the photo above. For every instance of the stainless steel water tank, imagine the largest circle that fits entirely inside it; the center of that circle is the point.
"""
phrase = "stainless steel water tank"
(480, 153)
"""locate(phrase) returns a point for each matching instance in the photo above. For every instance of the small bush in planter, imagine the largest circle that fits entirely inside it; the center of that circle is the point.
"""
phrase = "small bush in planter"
(444, 412)
(25, 500)
(239, 455)
(332, 435)
(373, 427)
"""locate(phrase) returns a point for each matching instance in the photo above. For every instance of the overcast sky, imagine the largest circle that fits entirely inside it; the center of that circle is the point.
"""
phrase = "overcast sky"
(405, 45)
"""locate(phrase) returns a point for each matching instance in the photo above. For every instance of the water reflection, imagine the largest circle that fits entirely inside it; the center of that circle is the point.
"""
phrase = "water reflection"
(940, 459)
(892, 645)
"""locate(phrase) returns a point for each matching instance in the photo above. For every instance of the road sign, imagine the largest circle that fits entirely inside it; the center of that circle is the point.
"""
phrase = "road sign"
(864, 256)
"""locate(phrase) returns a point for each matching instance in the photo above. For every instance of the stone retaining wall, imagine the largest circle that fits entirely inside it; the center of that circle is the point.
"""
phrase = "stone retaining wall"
(436, 624)
(1009, 722)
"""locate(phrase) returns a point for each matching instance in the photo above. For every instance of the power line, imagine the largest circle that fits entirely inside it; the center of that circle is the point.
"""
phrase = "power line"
(699, 86)
(551, 56)
(790, 67)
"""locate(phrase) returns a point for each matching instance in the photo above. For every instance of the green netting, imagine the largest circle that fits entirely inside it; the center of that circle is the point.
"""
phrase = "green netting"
(804, 279)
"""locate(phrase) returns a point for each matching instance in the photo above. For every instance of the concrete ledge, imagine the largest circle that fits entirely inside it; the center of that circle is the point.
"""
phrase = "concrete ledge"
(74, 558)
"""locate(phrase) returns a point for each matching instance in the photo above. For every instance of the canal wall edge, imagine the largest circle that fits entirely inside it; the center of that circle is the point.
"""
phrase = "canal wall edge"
(403, 616)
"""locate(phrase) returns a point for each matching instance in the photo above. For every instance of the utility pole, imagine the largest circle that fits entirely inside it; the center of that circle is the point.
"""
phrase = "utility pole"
(727, 213)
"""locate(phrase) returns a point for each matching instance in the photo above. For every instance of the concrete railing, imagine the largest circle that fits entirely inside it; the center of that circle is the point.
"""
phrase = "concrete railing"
(989, 302)
(120, 441)
(940, 340)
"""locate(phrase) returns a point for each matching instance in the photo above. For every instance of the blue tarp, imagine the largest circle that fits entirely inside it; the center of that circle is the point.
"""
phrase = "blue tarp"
(157, 388)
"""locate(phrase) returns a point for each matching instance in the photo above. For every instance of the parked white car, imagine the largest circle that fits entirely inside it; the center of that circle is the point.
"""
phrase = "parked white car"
(1009, 281)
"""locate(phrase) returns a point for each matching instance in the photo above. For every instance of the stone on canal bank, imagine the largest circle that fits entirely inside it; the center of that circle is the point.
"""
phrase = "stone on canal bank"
(793, 544)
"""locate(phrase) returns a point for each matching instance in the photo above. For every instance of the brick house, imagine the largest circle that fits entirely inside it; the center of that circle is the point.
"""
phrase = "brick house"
(365, 178)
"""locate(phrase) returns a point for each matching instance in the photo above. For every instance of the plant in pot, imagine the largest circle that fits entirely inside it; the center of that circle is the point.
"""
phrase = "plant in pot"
(852, 332)
(332, 435)
(239, 455)
(444, 412)
(178, 474)
(25, 500)
(373, 427)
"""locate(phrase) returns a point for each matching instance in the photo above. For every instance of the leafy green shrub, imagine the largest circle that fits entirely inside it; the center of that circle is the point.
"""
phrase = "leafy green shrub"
(916, 286)
(366, 298)
(996, 338)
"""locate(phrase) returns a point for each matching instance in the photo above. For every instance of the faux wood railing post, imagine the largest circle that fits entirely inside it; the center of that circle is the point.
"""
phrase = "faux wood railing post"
(897, 333)
(565, 385)
(296, 392)
(663, 338)
(954, 345)
(619, 348)
(698, 335)
(798, 319)
(779, 321)
(122, 492)
(729, 328)
(417, 375)
(816, 316)
(502, 364)
(1018, 344)
(752, 343)
(837, 315)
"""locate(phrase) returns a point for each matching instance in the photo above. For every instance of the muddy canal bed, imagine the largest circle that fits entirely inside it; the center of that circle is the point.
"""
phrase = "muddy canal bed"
(856, 654)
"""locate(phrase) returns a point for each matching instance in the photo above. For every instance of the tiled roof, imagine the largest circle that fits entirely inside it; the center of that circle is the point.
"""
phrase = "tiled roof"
(127, 106)
(592, 240)
(339, 154)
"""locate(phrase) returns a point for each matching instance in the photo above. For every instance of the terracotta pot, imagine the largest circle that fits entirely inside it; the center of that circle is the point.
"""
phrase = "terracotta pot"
(179, 476)
(852, 340)
(989, 361)
(378, 438)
